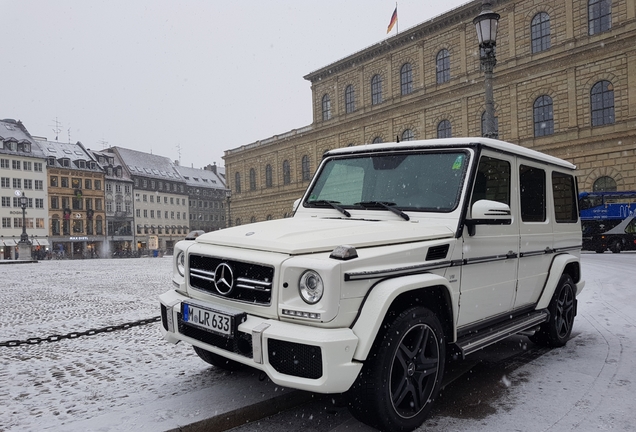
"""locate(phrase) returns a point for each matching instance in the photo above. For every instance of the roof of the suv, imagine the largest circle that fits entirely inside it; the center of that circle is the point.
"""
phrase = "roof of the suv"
(494, 144)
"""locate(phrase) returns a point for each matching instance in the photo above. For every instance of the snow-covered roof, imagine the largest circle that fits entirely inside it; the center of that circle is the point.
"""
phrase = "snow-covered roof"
(498, 145)
(11, 130)
(148, 165)
(199, 177)
(77, 155)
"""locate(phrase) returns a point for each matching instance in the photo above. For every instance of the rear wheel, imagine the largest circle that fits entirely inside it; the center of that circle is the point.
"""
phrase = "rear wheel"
(402, 375)
(557, 330)
(217, 360)
(616, 246)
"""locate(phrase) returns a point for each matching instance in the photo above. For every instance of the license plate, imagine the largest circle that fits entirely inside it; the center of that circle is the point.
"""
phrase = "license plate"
(214, 321)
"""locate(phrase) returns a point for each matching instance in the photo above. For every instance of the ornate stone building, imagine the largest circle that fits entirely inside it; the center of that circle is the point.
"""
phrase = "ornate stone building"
(564, 84)
(76, 200)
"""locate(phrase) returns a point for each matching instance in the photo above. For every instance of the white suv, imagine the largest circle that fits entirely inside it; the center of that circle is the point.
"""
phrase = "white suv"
(397, 256)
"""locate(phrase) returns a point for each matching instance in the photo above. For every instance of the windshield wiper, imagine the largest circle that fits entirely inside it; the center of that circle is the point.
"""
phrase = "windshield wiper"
(386, 205)
(333, 204)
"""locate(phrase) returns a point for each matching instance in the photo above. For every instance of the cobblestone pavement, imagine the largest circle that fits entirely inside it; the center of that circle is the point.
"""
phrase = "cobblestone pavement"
(52, 384)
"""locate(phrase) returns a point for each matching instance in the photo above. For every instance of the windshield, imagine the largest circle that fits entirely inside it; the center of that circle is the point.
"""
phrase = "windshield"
(429, 181)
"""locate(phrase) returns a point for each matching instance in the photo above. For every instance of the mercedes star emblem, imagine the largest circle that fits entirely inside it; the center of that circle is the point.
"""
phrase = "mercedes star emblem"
(224, 279)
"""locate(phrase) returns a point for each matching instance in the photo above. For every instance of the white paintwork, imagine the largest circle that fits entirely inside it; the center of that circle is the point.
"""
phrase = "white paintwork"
(486, 275)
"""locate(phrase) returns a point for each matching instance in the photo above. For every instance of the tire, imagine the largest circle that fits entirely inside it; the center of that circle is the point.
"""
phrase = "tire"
(217, 360)
(557, 330)
(616, 246)
(401, 377)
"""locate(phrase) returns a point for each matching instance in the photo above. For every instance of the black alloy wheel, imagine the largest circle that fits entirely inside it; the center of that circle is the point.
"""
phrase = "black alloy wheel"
(616, 246)
(557, 330)
(403, 373)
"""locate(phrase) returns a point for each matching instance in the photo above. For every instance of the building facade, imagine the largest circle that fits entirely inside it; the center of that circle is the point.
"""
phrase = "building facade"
(564, 84)
(76, 201)
(118, 200)
(206, 197)
(21, 173)
(160, 200)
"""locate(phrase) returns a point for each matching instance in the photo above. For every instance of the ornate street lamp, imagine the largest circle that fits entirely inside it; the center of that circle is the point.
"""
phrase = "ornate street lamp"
(486, 24)
(24, 237)
(24, 245)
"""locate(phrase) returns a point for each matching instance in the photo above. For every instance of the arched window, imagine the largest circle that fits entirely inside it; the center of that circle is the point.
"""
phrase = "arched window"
(350, 99)
(376, 89)
(484, 128)
(305, 168)
(604, 184)
(376, 140)
(237, 222)
(252, 179)
(540, 32)
(253, 219)
(406, 79)
(407, 135)
(237, 182)
(543, 114)
(444, 129)
(326, 107)
(602, 103)
(442, 64)
(599, 16)
(268, 176)
(286, 173)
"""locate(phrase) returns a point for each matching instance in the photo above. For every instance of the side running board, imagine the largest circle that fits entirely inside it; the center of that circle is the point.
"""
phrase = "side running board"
(471, 343)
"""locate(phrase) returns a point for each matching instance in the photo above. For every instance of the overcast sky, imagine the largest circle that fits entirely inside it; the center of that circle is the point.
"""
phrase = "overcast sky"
(182, 78)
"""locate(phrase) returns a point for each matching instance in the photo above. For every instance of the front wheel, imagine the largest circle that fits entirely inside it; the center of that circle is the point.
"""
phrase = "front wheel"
(402, 376)
(557, 330)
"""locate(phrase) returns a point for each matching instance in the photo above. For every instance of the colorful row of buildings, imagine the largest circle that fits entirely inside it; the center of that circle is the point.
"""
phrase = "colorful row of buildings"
(84, 203)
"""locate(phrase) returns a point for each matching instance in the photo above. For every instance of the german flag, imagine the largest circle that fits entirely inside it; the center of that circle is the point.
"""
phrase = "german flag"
(393, 20)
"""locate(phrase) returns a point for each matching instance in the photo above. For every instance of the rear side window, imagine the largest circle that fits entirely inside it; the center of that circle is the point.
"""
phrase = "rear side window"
(532, 187)
(564, 191)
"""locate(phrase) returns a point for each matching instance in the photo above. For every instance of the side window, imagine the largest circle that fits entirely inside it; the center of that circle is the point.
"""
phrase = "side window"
(492, 181)
(564, 191)
(532, 191)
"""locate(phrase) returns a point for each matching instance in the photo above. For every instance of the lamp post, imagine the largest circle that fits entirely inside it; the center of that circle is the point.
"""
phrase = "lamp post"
(486, 24)
(24, 245)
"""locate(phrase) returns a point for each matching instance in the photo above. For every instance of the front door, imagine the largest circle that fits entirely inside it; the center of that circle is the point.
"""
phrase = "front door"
(489, 272)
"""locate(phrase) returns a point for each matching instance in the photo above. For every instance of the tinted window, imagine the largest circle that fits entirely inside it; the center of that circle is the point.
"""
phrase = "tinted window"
(532, 191)
(564, 192)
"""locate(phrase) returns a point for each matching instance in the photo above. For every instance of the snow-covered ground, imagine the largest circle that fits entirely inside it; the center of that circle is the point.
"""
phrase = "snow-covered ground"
(118, 380)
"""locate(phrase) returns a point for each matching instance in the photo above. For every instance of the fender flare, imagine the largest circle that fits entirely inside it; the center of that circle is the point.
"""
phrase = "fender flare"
(557, 268)
(377, 303)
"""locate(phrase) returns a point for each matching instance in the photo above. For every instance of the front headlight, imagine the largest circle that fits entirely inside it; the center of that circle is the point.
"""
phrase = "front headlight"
(180, 260)
(311, 287)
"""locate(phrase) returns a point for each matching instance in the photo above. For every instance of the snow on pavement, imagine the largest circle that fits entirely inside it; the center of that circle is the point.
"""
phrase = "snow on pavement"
(118, 380)
(110, 381)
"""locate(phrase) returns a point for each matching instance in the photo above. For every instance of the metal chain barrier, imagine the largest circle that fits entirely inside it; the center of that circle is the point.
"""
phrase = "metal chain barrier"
(75, 335)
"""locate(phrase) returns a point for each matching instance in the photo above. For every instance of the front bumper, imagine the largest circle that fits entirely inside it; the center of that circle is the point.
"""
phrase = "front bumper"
(292, 355)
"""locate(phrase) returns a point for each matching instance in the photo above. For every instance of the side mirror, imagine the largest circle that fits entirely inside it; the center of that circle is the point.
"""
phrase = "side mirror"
(486, 212)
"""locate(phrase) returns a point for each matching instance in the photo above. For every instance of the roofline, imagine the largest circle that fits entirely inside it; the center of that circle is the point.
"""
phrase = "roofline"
(493, 144)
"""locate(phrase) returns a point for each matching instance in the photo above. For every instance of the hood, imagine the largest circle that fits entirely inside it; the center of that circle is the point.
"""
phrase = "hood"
(310, 235)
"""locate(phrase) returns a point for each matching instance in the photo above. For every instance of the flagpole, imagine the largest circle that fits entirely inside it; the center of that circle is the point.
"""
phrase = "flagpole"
(397, 22)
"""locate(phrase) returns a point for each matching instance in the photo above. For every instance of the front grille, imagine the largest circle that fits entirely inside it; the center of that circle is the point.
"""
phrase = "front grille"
(251, 283)
(241, 344)
(289, 358)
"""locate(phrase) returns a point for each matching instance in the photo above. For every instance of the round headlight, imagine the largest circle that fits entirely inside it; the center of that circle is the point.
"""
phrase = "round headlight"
(181, 263)
(311, 287)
